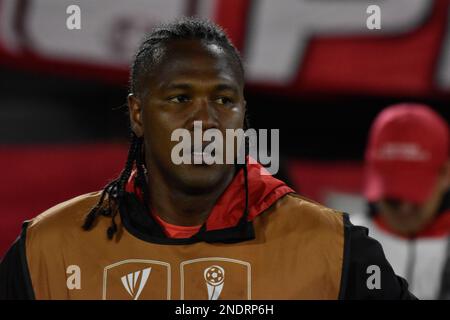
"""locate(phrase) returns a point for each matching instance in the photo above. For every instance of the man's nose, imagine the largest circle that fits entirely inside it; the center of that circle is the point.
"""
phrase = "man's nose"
(205, 112)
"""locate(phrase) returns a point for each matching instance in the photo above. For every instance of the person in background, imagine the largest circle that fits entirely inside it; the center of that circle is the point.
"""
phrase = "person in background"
(407, 185)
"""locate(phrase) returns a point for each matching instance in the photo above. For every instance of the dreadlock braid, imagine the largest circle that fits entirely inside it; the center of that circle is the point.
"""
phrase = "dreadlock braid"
(141, 179)
(115, 190)
(245, 170)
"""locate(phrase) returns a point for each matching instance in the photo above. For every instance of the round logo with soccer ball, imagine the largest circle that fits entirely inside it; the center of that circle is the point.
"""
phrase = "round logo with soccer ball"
(214, 275)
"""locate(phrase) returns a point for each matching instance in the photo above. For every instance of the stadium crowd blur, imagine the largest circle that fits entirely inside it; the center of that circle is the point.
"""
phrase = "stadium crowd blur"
(314, 70)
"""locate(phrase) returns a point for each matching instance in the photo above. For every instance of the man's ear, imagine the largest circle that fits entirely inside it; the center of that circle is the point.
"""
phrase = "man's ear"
(135, 110)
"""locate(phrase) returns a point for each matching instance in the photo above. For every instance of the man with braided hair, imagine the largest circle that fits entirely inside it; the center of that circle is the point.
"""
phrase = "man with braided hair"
(193, 231)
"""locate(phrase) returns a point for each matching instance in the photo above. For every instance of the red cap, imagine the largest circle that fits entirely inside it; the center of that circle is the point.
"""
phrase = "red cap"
(408, 145)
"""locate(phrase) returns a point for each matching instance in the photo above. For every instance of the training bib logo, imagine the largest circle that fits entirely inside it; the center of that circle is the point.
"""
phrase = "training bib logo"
(137, 279)
(214, 277)
(130, 282)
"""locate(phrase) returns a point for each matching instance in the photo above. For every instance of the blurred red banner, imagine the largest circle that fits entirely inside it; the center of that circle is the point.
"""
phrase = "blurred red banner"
(290, 47)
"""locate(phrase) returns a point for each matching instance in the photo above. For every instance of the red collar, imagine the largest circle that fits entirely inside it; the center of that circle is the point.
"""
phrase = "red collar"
(264, 190)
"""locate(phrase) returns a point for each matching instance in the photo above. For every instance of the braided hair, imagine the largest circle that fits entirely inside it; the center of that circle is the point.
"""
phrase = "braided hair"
(146, 58)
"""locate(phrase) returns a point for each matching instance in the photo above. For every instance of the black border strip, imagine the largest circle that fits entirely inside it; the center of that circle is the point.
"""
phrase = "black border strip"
(346, 256)
(23, 260)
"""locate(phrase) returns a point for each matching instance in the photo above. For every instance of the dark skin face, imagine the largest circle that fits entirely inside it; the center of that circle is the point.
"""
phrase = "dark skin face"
(193, 81)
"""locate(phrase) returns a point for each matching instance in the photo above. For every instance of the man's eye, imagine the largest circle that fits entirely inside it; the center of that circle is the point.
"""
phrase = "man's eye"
(179, 99)
(224, 100)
